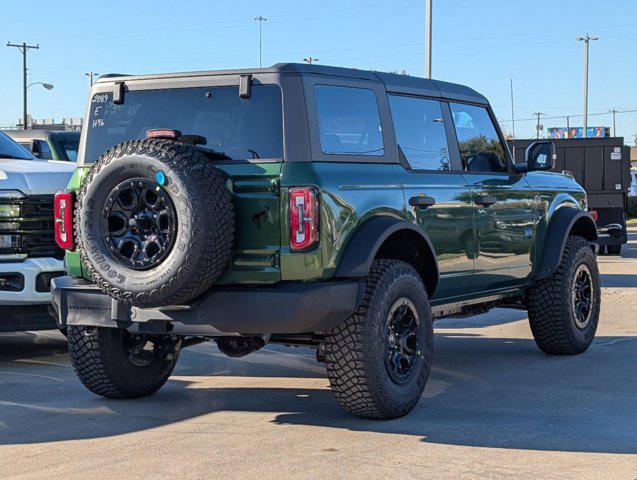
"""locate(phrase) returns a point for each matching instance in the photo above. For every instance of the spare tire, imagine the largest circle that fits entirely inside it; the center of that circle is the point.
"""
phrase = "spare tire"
(154, 223)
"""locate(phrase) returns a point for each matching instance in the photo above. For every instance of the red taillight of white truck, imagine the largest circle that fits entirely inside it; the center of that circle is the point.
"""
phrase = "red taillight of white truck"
(63, 214)
(304, 218)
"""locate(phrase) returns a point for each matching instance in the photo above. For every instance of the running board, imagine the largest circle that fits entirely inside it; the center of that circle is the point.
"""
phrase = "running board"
(460, 306)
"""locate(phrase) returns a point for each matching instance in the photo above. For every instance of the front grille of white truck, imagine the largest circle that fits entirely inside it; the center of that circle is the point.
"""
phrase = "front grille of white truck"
(26, 227)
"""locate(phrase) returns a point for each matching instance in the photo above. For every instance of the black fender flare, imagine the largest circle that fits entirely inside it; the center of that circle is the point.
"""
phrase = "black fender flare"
(564, 222)
(362, 248)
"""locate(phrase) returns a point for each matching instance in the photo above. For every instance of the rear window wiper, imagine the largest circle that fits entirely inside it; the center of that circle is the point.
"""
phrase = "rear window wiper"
(213, 154)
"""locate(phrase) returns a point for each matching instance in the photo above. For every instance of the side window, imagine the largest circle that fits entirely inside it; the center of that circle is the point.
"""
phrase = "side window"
(348, 121)
(420, 132)
(480, 147)
(45, 150)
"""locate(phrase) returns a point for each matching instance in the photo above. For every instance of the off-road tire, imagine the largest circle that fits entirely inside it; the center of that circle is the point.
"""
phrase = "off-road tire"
(354, 350)
(550, 305)
(101, 363)
(614, 249)
(204, 218)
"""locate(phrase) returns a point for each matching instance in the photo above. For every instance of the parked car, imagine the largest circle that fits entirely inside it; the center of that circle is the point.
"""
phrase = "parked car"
(29, 256)
(309, 205)
(48, 144)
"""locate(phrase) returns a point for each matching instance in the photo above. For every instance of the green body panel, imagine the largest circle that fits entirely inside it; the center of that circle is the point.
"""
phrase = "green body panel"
(255, 196)
(507, 245)
(350, 194)
(553, 191)
(449, 224)
(505, 231)
(479, 249)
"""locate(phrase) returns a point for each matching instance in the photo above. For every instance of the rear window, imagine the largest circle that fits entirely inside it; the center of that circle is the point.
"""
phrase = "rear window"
(239, 128)
(348, 121)
(67, 146)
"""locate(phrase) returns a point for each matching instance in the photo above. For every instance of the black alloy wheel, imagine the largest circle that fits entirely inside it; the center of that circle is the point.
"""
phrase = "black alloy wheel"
(401, 340)
(582, 296)
(139, 223)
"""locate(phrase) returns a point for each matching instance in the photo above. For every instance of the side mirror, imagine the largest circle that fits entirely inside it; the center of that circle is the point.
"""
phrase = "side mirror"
(540, 156)
(35, 149)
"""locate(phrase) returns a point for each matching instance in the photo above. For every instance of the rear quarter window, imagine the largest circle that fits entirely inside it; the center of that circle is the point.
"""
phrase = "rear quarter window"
(348, 121)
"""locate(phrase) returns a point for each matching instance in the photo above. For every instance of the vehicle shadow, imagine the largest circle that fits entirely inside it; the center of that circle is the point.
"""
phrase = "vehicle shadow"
(30, 345)
(483, 392)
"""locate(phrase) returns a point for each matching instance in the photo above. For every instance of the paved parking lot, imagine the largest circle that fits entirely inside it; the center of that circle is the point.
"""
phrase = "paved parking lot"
(494, 407)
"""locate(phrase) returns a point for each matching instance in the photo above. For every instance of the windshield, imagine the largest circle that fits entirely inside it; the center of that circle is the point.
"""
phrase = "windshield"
(67, 145)
(239, 128)
(10, 149)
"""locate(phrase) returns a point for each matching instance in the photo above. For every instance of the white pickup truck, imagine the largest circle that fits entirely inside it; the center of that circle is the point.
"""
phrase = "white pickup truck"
(29, 256)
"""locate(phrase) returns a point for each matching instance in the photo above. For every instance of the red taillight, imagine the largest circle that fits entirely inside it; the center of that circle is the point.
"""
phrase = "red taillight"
(63, 214)
(304, 218)
(163, 133)
(594, 214)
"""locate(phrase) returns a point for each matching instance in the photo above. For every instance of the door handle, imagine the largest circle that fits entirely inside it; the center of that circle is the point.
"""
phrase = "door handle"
(422, 202)
(486, 200)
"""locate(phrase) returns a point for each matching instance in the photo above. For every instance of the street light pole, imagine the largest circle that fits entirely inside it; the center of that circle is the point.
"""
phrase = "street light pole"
(428, 15)
(586, 39)
(614, 111)
(310, 60)
(512, 112)
(538, 126)
(260, 19)
(23, 49)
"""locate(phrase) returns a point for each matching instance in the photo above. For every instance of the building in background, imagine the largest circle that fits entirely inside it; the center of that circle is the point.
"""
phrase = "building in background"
(70, 124)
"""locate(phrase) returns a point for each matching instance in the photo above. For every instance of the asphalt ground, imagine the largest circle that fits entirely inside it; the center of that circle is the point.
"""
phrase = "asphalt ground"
(494, 407)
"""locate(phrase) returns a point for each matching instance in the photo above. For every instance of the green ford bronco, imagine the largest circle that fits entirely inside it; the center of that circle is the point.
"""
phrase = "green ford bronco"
(308, 205)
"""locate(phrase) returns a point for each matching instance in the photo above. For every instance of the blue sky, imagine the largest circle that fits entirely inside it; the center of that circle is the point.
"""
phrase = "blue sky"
(479, 43)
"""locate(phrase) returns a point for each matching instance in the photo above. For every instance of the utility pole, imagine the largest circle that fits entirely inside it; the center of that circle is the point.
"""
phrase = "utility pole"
(310, 60)
(428, 16)
(586, 39)
(260, 19)
(90, 76)
(568, 126)
(538, 126)
(512, 112)
(24, 48)
(614, 111)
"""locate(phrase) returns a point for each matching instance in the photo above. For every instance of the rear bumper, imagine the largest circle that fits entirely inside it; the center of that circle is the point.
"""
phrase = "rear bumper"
(612, 234)
(287, 307)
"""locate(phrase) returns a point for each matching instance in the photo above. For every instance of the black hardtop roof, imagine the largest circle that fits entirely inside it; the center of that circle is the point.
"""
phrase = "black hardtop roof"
(393, 82)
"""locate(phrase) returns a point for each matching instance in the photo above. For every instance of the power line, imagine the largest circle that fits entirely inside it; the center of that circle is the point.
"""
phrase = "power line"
(554, 117)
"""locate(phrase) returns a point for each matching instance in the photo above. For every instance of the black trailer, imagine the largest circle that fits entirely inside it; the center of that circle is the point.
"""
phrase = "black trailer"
(602, 167)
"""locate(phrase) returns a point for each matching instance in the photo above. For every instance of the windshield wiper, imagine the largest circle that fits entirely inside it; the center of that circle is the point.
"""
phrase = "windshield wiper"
(12, 157)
